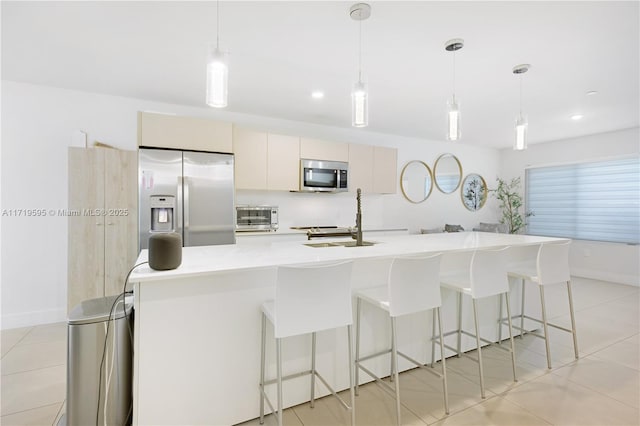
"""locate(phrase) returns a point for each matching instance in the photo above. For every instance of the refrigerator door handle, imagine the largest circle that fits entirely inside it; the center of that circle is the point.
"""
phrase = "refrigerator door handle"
(185, 209)
(179, 204)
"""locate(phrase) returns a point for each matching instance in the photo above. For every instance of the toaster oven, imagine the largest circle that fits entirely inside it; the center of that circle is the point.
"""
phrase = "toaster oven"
(256, 218)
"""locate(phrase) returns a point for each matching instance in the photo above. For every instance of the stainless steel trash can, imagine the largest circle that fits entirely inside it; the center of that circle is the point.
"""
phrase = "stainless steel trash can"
(86, 329)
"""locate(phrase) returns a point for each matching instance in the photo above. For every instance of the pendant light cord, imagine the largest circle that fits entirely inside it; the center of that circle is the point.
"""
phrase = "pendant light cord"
(218, 24)
(520, 95)
(360, 52)
(454, 76)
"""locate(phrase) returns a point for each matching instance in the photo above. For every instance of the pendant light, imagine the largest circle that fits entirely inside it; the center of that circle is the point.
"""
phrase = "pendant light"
(453, 109)
(359, 96)
(521, 121)
(217, 70)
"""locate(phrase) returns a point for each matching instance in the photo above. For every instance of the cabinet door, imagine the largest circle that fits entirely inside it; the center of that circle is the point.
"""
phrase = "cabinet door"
(360, 167)
(86, 225)
(121, 218)
(250, 150)
(385, 165)
(314, 149)
(171, 131)
(283, 163)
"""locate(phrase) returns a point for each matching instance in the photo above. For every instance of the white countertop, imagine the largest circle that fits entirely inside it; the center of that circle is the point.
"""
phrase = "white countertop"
(210, 259)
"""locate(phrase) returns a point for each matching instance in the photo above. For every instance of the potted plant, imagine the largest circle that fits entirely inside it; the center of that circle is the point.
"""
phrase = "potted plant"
(508, 193)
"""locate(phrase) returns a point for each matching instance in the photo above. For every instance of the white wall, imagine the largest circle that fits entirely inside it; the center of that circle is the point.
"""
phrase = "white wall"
(599, 260)
(38, 124)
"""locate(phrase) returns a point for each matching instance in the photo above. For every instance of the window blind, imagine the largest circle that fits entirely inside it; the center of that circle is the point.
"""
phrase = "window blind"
(597, 201)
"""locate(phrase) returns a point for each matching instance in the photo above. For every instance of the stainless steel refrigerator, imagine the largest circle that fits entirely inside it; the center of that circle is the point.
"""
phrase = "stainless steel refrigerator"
(188, 192)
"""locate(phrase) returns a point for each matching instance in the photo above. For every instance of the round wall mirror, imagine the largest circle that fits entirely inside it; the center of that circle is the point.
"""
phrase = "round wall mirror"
(447, 173)
(474, 192)
(416, 181)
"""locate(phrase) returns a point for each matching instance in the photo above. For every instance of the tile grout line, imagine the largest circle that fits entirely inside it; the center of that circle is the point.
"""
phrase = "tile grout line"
(33, 408)
(18, 342)
(34, 369)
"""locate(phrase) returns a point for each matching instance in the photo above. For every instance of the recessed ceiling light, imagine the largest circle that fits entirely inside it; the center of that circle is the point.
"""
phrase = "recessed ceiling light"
(592, 92)
(317, 94)
(577, 117)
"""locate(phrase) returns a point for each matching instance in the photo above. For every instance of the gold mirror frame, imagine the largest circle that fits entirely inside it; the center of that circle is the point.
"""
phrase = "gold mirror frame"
(472, 196)
(402, 180)
(435, 172)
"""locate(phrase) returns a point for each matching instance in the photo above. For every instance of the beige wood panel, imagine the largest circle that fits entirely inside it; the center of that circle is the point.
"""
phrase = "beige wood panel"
(85, 272)
(121, 219)
(283, 163)
(250, 151)
(360, 167)
(385, 170)
(315, 149)
(171, 131)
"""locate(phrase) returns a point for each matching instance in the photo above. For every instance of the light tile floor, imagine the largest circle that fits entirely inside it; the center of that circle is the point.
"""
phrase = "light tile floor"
(601, 388)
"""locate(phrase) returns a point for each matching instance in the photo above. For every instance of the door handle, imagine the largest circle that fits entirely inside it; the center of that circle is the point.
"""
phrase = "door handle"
(186, 202)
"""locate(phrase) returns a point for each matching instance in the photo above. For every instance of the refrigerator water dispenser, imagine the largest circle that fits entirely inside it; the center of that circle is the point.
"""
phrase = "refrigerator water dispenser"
(162, 213)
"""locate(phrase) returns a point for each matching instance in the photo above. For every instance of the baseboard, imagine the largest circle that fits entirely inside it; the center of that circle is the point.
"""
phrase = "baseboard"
(609, 276)
(27, 319)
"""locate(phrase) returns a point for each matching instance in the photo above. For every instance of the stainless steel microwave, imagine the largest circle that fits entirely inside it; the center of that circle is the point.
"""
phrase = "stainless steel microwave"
(256, 218)
(324, 176)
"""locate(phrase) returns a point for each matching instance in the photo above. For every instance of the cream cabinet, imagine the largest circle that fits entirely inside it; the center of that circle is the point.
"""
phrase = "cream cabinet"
(283, 162)
(385, 170)
(250, 152)
(102, 227)
(315, 149)
(265, 161)
(172, 131)
(372, 169)
(361, 167)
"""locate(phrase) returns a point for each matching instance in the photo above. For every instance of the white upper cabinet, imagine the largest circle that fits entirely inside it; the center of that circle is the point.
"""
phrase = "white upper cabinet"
(283, 162)
(172, 131)
(250, 149)
(315, 149)
(360, 167)
(266, 160)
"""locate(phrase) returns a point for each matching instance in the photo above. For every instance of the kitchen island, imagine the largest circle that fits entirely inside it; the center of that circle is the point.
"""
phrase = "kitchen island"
(197, 328)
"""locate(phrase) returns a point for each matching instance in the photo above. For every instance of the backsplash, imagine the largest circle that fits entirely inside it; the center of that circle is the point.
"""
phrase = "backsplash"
(318, 209)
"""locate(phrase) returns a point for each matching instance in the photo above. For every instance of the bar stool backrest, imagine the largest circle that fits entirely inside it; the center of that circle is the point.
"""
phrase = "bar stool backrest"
(414, 284)
(553, 263)
(312, 298)
(489, 272)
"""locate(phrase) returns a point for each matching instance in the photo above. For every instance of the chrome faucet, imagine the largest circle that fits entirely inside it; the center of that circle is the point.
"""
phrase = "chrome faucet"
(358, 235)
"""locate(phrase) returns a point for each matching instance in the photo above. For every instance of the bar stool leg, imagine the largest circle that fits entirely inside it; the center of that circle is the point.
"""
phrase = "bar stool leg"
(351, 390)
(546, 328)
(262, 362)
(313, 369)
(433, 336)
(357, 361)
(513, 348)
(279, 361)
(393, 336)
(573, 321)
(459, 324)
(475, 319)
(500, 319)
(522, 311)
(445, 388)
(394, 363)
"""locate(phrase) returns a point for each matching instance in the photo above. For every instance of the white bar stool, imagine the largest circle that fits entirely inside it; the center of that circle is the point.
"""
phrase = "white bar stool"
(308, 299)
(412, 286)
(486, 276)
(551, 267)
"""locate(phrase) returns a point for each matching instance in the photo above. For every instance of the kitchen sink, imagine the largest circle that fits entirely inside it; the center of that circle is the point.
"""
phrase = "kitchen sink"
(339, 244)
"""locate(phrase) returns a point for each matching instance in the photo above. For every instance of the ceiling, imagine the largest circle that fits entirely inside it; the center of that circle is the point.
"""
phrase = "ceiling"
(281, 51)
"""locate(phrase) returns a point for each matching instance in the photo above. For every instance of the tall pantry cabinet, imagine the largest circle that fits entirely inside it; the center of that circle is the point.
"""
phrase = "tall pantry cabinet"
(103, 219)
